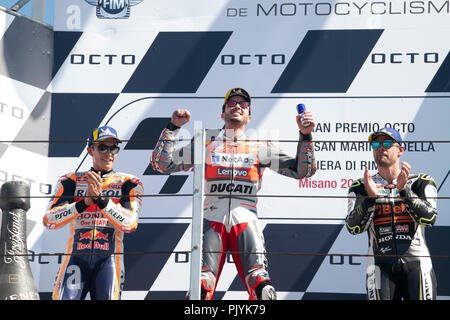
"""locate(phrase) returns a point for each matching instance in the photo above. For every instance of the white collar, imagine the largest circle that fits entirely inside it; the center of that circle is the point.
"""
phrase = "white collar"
(222, 136)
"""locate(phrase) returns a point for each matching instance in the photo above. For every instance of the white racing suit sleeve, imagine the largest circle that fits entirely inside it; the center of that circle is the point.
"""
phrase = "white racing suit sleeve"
(165, 159)
(299, 167)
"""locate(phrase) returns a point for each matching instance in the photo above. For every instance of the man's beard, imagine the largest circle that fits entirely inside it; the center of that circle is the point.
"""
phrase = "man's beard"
(383, 162)
(235, 120)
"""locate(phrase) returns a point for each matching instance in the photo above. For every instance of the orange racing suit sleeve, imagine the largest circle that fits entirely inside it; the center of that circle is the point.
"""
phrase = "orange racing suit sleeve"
(62, 209)
(124, 213)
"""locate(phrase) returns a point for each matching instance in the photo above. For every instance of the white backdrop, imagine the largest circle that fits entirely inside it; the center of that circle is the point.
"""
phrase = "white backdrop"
(283, 53)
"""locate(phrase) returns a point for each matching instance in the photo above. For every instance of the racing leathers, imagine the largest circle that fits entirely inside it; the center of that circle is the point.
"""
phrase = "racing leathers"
(399, 263)
(93, 260)
(233, 172)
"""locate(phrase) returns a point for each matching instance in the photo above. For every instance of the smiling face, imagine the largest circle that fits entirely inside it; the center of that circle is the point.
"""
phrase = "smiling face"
(102, 161)
(387, 157)
(235, 114)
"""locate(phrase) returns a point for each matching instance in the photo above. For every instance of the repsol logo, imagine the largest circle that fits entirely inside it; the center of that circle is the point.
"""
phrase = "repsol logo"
(106, 193)
(111, 193)
(63, 214)
(410, 58)
(116, 215)
(231, 187)
(252, 59)
(102, 59)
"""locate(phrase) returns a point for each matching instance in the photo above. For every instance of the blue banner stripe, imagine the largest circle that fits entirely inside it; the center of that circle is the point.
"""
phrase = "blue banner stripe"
(441, 80)
(327, 61)
(177, 62)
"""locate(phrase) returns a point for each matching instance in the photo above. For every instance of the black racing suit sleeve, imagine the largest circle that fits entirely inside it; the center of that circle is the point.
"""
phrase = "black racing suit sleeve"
(81, 205)
(361, 208)
(67, 196)
(419, 197)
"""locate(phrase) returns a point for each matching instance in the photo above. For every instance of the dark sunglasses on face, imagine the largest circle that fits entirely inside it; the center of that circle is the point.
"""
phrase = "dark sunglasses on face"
(242, 104)
(103, 148)
(387, 144)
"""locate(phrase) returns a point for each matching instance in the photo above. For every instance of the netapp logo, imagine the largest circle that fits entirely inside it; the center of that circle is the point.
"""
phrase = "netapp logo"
(225, 159)
(410, 57)
(103, 59)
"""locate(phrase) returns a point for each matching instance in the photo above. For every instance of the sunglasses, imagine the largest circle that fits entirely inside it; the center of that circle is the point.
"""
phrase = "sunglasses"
(242, 104)
(387, 144)
(103, 148)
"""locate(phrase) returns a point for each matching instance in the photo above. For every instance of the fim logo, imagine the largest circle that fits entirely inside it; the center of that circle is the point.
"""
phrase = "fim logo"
(113, 9)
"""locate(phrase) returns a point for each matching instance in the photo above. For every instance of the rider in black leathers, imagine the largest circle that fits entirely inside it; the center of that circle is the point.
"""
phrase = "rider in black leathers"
(395, 215)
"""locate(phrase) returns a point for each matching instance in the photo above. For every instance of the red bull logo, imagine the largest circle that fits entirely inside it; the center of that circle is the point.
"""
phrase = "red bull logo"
(93, 235)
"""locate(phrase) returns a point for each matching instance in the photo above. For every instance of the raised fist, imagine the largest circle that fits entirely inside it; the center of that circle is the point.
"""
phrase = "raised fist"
(180, 117)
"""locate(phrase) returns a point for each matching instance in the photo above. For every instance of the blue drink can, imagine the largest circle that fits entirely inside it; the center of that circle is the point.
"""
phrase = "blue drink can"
(301, 110)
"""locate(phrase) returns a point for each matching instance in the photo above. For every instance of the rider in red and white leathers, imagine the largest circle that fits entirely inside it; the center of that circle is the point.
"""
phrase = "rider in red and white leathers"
(233, 172)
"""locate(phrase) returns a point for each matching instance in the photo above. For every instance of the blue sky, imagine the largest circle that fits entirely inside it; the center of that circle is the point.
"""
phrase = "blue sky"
(26, 10)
